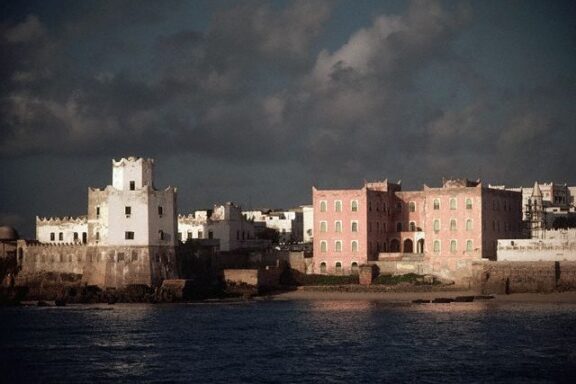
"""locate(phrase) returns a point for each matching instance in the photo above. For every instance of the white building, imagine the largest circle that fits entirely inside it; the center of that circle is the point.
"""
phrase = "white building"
(66, 230)
(131, 212)
(553, 245)
(289, 224)
(307, 223)
(224, 223)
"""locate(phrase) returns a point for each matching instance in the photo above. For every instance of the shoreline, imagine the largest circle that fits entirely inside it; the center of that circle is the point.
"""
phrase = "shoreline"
(408, 297)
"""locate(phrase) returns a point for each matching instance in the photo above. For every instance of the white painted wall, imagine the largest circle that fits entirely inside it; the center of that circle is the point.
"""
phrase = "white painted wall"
(65, 227)
(307, 223)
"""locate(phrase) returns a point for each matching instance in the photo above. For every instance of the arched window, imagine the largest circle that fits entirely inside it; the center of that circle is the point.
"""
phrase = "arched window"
(436, 245)
(354, 268)
(412, 206)
(469, 224)
(354, 245)
(412, 226)
(452, 245)
(453, 203)
(338, 267)
(398, 227)
(323, 226)
(436, 204)
(436, 225)
(468, 203)
(452, 224)
(354, 226)
(323, 246)
(338, 206)
(338, 246)
(338, 226)
(354, 205)
(323, 206)
(469, 246)
(323, 267)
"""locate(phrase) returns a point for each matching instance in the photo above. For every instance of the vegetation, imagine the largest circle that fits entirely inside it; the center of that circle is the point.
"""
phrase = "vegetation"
(410, 278)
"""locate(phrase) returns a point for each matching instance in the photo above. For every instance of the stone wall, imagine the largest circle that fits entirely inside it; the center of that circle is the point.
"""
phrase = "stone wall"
(261, 278)
(519, 277)
(106, 267)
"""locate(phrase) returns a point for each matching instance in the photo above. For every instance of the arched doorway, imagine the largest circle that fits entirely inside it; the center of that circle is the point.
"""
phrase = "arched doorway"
(395, 245)
(408, 246)
(420, 246)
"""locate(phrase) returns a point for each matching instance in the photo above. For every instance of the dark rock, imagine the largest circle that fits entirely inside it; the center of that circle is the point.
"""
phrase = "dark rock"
(464, 299)
(420, 301)
(442, 300)
(61, 302)
(483, 297)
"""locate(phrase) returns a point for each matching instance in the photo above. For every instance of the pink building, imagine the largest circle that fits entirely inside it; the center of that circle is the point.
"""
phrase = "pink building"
(447, 226)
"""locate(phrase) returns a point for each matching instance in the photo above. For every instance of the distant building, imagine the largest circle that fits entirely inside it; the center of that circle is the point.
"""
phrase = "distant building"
(557, 203)
(450, 226)
(224, 223)
(289, 224)
(552, 245)
(308, 223)
(127, 237)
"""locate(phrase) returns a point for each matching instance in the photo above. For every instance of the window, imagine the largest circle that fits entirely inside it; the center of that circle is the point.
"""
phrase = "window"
(323, 246)
(323, 267)
(323, 226)
(436, 225)
(129, 235)
(469, 246)
(354, 226)
(200, 235)
(338, 226)
(412, 226)
(436, 245)
(398, 227)
(469, 224)
(132, 185)
(97, 236)
(237, 235)
(338, 206)
(127, 211)
(412, 206)
(97, 212)
(354, 205)
(453, 203)
(354, 268)
(452, 224)
(75, 236)
(338, 246)
(354, 245)
(161, 234)
(323, 206)
(468, 203)
(52, 236)
(452, 245)
(160, 211)
(436, 204)
(338, 267)
(120, 256)
(61, 236)
(210, 234)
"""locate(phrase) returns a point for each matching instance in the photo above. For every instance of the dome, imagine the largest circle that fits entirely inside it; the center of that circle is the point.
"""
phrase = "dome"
(8, 233)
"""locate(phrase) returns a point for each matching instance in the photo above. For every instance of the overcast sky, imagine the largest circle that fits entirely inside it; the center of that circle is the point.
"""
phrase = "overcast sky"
(256, 101)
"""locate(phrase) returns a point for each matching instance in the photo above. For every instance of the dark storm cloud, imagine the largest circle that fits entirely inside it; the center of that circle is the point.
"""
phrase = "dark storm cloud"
(434, 89)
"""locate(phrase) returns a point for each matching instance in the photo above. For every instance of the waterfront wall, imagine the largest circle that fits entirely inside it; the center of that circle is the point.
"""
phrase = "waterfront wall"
(521, 276)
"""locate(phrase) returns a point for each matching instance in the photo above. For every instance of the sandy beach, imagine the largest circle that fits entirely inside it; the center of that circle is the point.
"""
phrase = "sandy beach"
(406, 297)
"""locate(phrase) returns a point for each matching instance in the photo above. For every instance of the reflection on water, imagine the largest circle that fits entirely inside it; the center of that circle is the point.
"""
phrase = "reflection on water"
(290, 342)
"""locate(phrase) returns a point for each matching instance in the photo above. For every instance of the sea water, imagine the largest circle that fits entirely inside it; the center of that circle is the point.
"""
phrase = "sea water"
(290, 342)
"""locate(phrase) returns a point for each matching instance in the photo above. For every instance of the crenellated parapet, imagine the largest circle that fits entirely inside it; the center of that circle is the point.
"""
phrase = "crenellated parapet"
(35, 244)
(61, 220)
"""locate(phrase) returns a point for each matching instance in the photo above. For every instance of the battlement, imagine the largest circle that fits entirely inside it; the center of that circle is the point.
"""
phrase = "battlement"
(35, 244)
(61, 220)
(130, 159)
